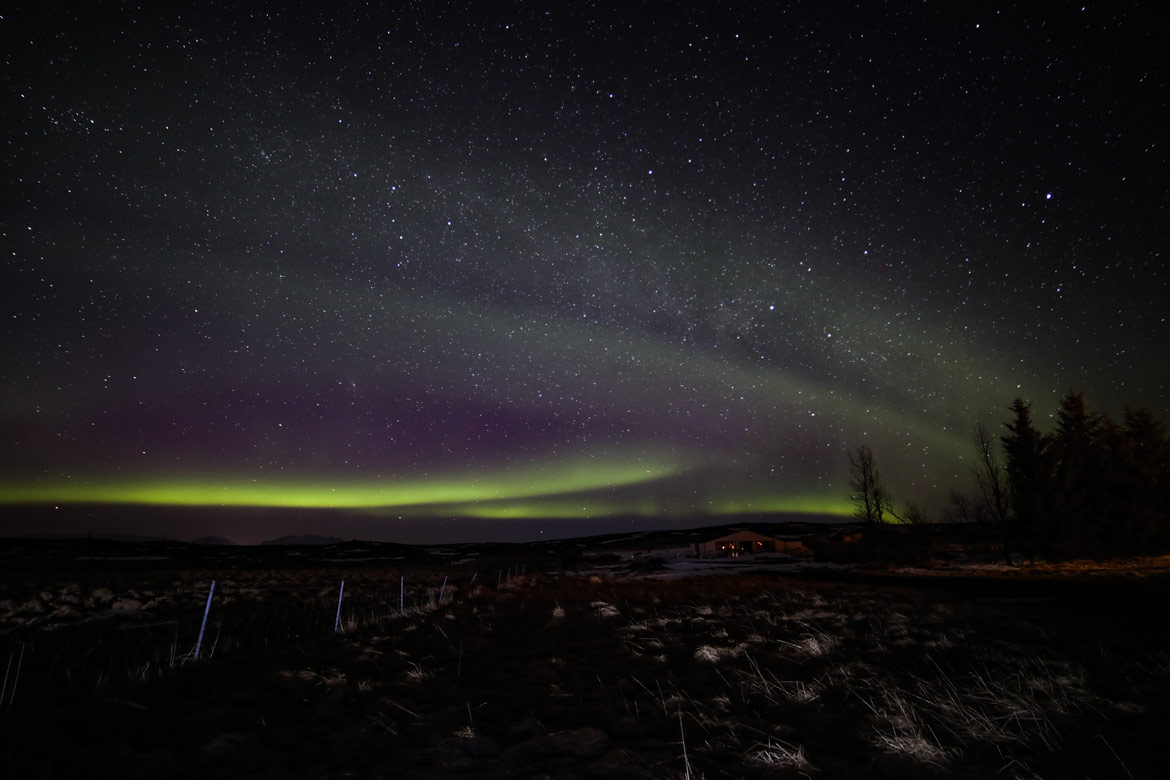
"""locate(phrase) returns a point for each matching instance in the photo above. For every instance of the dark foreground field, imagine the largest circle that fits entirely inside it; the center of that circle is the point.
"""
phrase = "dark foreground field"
(581, 675)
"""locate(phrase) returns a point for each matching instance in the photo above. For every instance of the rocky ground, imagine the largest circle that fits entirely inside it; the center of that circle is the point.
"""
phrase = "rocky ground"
(504, 674)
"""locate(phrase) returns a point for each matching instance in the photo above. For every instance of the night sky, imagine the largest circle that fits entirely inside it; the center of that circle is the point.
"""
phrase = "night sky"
(516, 260)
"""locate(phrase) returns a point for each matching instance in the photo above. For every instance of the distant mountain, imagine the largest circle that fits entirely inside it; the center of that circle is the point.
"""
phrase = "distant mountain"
(221, 540)
(305, 539)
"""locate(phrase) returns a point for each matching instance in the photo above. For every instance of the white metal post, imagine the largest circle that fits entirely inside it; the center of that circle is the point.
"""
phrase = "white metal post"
(203, 626)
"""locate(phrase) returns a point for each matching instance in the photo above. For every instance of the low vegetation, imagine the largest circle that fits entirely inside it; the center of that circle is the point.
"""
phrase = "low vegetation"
(504, 673)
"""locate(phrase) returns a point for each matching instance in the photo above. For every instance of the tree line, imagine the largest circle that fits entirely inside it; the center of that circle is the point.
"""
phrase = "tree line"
(1092, 487)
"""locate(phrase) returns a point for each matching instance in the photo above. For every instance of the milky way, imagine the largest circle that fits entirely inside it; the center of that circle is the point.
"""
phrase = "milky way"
(503, 260)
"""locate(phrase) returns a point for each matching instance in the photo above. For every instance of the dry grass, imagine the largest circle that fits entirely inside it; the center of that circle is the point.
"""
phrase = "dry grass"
(1145, 566)
(583, 676)
(1117, 568)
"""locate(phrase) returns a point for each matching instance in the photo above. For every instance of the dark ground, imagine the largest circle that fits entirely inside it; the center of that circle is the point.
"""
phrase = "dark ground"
(574, 675)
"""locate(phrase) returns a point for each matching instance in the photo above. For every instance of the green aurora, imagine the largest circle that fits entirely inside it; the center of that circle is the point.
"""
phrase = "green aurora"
(571, 476)
(584, 486)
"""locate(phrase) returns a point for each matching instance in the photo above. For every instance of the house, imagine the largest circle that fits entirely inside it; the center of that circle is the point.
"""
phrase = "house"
(743, 542)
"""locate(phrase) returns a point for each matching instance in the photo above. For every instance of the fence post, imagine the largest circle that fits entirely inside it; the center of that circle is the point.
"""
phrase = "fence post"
(19, 664)
(203, 625)
(337, 620)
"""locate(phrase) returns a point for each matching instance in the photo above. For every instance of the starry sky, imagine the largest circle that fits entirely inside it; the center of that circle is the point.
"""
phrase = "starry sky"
(565, 260)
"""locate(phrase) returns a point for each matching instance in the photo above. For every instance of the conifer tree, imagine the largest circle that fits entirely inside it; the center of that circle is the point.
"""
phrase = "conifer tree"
(1080, 475)
(1145, 460)
(1029, 480)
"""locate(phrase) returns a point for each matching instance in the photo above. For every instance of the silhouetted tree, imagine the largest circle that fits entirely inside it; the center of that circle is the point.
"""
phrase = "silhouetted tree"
(1144, 465)
(911, 514)
(1092, 487)
(1080, 471)
(1117, 496)
(992, 504)
(869, 497)
(959, 510)
(1029, 480)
